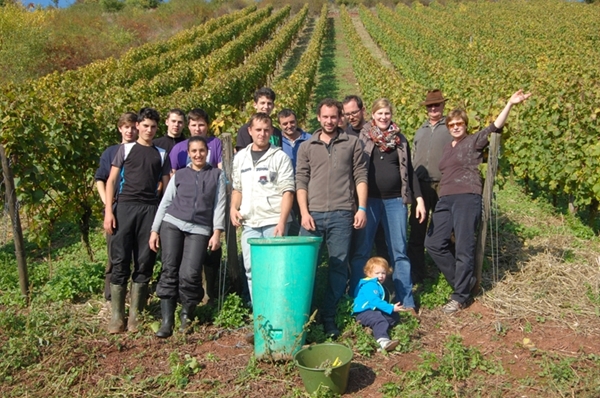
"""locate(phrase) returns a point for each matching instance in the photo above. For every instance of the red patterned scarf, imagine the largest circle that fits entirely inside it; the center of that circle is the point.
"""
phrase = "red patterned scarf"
(387, 140)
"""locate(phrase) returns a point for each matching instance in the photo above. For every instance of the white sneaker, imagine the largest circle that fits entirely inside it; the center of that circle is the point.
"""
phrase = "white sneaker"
(387, 344)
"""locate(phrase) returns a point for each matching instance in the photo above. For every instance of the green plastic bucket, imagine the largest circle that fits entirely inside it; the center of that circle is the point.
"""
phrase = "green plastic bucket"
(283, 274)
(315, 364)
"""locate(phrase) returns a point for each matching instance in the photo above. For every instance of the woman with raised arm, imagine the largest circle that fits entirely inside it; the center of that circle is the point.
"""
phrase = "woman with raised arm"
(459, 207)
(190, 219)
(392, 186)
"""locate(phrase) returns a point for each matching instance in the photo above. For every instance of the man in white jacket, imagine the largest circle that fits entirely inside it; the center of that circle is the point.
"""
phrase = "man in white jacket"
(263, 188)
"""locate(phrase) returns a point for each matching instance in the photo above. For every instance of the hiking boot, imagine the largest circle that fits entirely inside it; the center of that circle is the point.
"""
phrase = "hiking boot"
(452, 306)
(117, 304)
(167, 310)
(139, 295)
(186, 317)
(387, 344)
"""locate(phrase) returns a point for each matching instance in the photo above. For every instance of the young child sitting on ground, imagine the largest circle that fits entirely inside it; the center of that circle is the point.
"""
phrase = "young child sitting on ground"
(370, 305)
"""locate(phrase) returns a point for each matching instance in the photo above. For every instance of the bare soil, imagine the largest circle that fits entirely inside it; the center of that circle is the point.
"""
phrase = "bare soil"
(141, 364)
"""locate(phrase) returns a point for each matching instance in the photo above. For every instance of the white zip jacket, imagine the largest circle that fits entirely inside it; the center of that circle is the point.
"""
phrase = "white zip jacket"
(262, 185)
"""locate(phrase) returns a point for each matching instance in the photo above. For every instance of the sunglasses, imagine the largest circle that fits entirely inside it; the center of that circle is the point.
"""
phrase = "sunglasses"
(433, 105)
(456, 124)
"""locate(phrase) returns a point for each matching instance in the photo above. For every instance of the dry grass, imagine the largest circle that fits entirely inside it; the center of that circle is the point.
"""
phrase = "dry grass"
(545, 272)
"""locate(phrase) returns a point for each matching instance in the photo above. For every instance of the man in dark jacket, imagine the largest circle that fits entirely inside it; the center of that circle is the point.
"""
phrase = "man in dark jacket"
(330, 169)
(428, 146)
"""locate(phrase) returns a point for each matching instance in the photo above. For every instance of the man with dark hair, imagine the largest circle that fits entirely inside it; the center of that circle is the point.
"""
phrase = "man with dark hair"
(175, 123)
(264, 102)
(263, 188)
(140, 167)
(126, 127)
(330, 171)
(292, 137)
(354, 111)
(428, 147)
(198, 124)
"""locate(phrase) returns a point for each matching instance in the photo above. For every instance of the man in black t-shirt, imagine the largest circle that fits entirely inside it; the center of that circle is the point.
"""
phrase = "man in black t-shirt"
(140, 167)
(175, 123)
(264, 102)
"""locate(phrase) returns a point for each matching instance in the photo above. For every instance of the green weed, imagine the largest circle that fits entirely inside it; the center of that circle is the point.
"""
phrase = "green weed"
(182, 370)
(404, 332)
(359, 338)
(343, 313)
(250, 372)
(435, 293)
(440, 376)
(233, 315)
(559, 370)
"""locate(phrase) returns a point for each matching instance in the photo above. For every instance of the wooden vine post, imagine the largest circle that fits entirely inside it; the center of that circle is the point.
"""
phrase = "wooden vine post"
(230, 234)
(488, 188)
(11, 201)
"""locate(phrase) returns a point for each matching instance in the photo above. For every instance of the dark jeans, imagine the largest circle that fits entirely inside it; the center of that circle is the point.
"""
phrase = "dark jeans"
(336, 229)
(461, 214)
(418, 231)
(183, 254)
(379, 321)
(130, 239)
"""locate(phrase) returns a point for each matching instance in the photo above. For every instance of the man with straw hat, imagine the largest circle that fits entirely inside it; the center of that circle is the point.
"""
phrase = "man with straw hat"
(428, 146)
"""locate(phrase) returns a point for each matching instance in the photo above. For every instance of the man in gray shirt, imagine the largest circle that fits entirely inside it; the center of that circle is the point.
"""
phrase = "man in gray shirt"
(428, 146)
(330, 169)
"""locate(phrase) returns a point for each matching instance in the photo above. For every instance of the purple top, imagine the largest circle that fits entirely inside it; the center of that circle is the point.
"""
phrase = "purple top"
(460, 163)
(179, 154)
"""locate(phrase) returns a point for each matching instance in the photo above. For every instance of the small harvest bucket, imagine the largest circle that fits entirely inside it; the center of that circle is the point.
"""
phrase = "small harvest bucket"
(316, 366)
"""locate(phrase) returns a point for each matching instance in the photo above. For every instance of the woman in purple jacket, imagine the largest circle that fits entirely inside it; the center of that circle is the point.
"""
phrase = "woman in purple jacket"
(459, 207)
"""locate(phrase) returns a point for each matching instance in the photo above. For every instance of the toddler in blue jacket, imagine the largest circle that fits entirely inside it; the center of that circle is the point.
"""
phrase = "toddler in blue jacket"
(370, 306)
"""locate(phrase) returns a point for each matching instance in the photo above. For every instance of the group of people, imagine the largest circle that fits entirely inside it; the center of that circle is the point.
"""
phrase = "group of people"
(349, 182)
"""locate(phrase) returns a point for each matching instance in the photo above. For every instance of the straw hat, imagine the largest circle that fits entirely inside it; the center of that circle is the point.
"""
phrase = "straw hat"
(433, 97)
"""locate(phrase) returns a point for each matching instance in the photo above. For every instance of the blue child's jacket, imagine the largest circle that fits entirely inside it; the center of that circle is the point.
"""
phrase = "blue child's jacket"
(370, 295)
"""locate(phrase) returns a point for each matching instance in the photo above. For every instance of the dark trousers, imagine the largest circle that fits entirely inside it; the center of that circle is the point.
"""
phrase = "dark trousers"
(212, 266)
(461, 214)
(107, 269)
(183, 254)
(130, 239)
(379, 321)
(418, 231)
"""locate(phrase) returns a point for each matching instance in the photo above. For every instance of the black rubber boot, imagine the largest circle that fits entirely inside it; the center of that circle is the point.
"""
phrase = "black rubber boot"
(139, 295)
(167, 310)
(117, 304)
(186, 317)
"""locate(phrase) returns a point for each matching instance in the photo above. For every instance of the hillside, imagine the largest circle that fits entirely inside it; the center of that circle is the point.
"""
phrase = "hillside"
(532, 332)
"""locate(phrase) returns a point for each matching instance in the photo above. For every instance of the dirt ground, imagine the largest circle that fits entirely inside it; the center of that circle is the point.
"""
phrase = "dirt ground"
(226, 369)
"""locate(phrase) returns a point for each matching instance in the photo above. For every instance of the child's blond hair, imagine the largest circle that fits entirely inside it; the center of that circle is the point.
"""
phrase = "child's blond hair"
(377, 262)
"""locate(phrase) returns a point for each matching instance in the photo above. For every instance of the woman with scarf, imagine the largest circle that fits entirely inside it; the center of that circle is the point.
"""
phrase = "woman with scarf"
(392, 186)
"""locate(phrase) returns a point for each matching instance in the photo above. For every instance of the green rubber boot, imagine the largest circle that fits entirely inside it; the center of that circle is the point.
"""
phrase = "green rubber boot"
(167, 310)
(139, 295)
(117, 304)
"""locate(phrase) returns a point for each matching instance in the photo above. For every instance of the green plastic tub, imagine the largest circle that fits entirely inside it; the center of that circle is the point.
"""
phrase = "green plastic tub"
(283, 274)
(315, 364)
